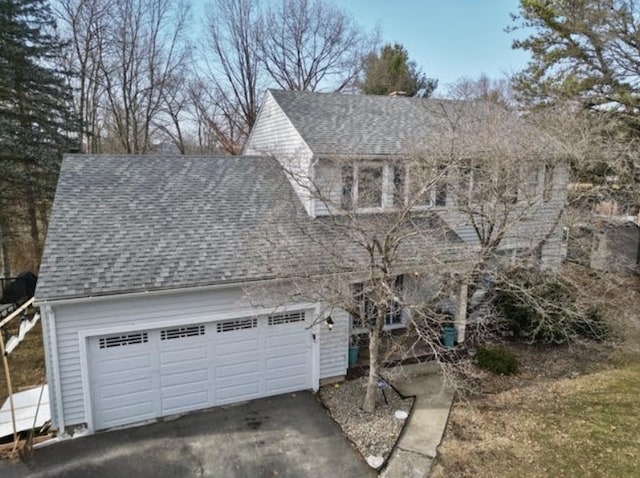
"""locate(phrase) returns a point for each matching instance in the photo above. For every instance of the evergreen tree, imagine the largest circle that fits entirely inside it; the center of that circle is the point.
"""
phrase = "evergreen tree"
(585, 51)
(391, 70)
(35, 119)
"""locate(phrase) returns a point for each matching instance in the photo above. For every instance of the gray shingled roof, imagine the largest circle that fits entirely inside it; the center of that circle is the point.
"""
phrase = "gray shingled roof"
(129, 223)
(346, 124)
(139, 223)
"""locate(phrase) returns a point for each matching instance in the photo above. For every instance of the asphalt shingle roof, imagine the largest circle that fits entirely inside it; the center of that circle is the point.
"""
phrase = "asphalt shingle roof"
(130, 223)
(139, 223)
(346, 124)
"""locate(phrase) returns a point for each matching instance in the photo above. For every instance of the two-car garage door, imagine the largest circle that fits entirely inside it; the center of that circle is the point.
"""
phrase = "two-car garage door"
(141, 375)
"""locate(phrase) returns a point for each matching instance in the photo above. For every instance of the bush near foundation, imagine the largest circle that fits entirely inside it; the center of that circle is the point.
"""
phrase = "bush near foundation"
(497, 360)
(540, 307)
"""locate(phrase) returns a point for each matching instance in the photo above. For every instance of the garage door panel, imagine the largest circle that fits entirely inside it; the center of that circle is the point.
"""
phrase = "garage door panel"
(285, 365)
(185, 397)
(124, 388)
(277, 337)
(237, 369)
(291, 351)
(284, 384)
(226, 348)
(130, 363)
(124, 414)
(185, 402)
(184, 377)
(136, 376)
(185, 354)
(237, 392)
(124, 401)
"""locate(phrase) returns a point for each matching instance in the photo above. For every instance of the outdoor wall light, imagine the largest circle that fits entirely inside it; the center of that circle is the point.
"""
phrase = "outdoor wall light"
(329, 322)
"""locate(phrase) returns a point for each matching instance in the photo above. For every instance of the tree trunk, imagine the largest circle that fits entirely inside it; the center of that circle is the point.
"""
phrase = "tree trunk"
(369, 404)
(34, 227)
(4, 245)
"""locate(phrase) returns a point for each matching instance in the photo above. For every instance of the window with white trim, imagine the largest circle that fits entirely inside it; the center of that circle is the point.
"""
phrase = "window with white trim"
(123, 340)
(236, 324)
(367, 309)
(286, 318)
(476, 185)
(182, 332)
(370, 186)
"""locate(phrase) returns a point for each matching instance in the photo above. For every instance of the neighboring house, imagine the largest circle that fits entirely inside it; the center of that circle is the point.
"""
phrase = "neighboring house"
(607, 243)
(148, 259)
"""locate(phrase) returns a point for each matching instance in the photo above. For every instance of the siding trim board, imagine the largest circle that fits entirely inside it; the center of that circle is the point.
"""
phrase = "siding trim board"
(53, 372)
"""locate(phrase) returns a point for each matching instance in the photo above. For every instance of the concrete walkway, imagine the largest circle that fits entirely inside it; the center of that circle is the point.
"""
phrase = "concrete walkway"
(418, 444)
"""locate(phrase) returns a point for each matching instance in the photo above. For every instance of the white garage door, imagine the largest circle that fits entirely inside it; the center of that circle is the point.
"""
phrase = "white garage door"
(137, 376)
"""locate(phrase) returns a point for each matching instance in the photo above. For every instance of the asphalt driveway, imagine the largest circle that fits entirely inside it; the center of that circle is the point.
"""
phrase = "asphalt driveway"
(285, 436)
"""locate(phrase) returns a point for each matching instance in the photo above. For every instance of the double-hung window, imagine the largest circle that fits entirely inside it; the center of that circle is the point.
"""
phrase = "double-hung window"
(367, 310)
(369, 186)
(365, 186)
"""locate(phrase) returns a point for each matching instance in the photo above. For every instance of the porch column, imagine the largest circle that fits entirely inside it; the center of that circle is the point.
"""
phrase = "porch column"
(461, 317)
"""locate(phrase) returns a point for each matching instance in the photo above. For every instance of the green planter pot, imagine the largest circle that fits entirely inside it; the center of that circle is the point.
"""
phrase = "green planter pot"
(449, 336)
(354, 351)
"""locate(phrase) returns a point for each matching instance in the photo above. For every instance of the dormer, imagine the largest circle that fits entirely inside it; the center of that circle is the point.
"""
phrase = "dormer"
(353, 153)
(355, 142)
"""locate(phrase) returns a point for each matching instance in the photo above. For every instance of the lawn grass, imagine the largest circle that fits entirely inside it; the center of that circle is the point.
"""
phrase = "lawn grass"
(587, 426)
(572, 411)
(26, 364)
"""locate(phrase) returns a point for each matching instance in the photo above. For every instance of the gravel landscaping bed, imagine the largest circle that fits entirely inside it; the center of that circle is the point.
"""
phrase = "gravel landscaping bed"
(374, 434)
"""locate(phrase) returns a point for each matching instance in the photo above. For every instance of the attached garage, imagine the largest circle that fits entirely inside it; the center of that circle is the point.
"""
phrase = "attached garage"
(159, 295)
(141, 375)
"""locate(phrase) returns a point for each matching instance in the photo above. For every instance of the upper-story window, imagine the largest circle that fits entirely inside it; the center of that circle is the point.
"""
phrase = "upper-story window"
(475, 185)
(365, 186)
(375, 186)
(369, 186)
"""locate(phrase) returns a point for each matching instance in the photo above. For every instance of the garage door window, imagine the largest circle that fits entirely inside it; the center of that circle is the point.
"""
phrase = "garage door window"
(239, 324)
(123, 340)
(286, 318)
(182, 332)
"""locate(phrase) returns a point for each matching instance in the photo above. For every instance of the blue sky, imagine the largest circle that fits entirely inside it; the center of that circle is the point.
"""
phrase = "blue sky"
(448, 39)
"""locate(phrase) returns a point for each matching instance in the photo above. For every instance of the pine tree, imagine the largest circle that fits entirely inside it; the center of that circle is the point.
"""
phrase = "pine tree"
(391, 70)
(35, 119)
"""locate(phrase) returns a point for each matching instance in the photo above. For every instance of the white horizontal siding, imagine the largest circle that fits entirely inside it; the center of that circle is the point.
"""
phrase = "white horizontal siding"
(137, 313)
(273, 134)
(334, 345)
(329, 183)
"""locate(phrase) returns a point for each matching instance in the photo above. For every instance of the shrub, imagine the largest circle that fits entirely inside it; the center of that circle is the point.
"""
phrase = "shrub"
(539, 307)
(593, 326)
(497, 360)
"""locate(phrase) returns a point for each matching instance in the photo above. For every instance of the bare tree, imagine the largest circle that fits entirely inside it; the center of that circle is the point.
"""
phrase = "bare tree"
(227, 98)
(439, 218)
(129, 58)
(493, 90)
(85, 24)
(296, 45)
(311, 44)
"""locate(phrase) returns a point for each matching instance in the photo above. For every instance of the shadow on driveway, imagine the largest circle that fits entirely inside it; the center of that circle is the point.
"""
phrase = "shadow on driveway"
(285, 436)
